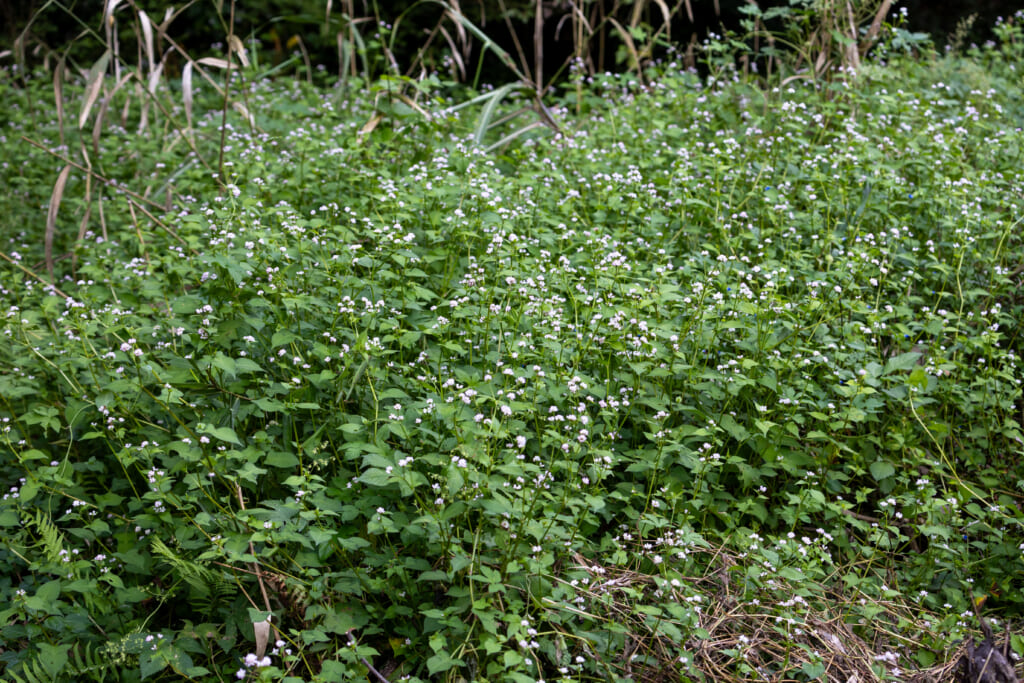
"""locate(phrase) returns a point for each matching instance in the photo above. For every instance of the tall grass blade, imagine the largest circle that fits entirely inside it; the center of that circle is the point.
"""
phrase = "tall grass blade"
(215, 62)
(344, 59)
(236, 47)
(93, 85)
(666, 15)
(219, 63)
(147, 41)
(58, 96)
(460, 65)
(186, 92)
(154, 78)
(110, 28)
(637, 14)
(538, 45)
(513, 135)
(485, 40)
(369, 126)
(627, 40)
(109, 7)
(97, 125)
(144, 109)
(490, 107)
(83, 225)
(51, 219)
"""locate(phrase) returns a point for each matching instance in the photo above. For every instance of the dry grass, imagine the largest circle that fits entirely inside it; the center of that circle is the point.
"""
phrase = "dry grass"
(745, 640)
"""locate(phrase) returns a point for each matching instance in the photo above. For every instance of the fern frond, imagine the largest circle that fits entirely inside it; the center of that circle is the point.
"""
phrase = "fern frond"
(95, 663)
(51, 538)
(87, 662)
(36, 670)
(293, 597)
(196, 575)
(208, 586)
(40, 675)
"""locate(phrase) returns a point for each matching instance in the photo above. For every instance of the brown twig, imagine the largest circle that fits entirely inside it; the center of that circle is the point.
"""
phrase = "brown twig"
(252, 551)
(105, 180)
(32, 275)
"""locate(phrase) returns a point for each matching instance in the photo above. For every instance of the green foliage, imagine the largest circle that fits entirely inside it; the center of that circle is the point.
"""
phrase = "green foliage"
(720, 361)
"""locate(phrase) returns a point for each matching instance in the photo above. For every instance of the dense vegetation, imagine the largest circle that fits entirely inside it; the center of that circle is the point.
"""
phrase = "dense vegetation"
(690, 379)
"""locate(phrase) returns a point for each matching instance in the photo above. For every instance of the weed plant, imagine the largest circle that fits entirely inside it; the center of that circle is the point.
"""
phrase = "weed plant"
(720, 382)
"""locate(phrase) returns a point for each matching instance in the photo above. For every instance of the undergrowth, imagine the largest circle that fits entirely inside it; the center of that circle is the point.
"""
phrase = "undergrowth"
(720, 380)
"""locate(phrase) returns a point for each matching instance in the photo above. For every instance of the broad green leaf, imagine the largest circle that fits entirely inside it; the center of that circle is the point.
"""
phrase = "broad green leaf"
(734, 429)
(53, 658)
(375, 477)
(282, 337)
(281, 459)
(270, 405)
(223, 433)
(442, 661)
(28, 491)
(455, 480)
(881, 469)
(904, 361)
(151, 663)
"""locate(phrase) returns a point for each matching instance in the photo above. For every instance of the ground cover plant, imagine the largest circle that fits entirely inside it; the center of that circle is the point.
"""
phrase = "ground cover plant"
(708, 378)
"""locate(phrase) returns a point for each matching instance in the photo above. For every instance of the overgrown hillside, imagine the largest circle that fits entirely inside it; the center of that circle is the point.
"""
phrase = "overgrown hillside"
(677, 378)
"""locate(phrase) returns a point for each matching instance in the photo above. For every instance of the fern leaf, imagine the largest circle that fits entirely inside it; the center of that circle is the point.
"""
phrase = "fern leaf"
(50, 536)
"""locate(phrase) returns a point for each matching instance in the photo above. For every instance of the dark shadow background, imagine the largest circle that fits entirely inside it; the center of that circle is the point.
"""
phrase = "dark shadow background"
(274, 22)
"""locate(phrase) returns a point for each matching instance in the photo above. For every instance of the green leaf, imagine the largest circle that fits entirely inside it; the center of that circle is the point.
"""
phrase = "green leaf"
(270, 405)
(225, 364)
(512, 658)
(918, 379)
(455, 480)
(281, 459)
(53, 658)
(49, 592)
(735, 429)
(880, 469)
(32, 454)
(222, 433)
(442, 661)
(904, 361)
(28, 491)
(375, 477)
(353, 543)
(250, 472)
(258, 615)
(314, 636)
(407, 339)
(245, 366)
(813, 670)
(282, 337)
(151, 663)
(322, 536)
